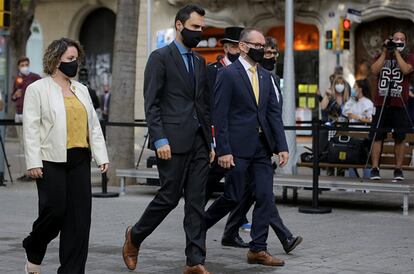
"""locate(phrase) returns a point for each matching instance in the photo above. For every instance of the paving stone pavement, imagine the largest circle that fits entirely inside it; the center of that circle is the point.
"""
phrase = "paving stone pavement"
(354, 238)
(365, 233)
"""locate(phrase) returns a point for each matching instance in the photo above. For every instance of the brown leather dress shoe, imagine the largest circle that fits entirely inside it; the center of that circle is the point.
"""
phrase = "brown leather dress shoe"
(129, 251)
(197, 269)
(264, 258)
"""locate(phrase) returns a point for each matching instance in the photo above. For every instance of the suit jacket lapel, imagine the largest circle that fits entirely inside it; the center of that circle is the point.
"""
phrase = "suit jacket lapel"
(176, 56)
(246, 80)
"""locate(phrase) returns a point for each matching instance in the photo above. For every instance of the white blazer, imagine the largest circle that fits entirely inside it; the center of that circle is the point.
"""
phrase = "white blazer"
(44, 123)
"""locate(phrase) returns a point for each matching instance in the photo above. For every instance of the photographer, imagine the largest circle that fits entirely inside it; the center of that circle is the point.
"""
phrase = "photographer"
(394, 68)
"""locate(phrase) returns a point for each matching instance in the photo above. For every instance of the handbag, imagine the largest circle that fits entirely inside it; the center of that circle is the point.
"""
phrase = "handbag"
(347, 150)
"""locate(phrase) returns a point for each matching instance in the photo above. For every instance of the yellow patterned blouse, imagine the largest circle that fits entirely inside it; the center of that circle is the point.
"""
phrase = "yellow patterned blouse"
(76, 123)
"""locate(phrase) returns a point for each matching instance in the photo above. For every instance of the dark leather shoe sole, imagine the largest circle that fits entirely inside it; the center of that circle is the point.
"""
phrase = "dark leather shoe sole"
(253, 261)
(234, 244)
(297, 241)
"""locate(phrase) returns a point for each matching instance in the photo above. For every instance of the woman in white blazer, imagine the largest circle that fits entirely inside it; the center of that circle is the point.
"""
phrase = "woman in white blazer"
(61, 132)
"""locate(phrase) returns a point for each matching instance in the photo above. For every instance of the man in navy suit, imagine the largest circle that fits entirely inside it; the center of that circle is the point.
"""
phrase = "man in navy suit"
(236, 218)
(249, 129)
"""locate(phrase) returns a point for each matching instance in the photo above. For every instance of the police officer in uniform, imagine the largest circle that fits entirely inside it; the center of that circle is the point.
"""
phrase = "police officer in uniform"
(230, 43)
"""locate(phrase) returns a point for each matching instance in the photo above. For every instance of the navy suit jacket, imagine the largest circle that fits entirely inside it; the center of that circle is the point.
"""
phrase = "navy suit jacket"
(237, 117)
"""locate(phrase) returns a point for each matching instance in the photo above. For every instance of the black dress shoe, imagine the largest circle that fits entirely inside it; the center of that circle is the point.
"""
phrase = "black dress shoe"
(236, 241)
(290, 243)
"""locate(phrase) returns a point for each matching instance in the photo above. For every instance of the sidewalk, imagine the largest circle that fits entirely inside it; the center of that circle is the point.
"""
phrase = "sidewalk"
(365, 233)
(349, 240)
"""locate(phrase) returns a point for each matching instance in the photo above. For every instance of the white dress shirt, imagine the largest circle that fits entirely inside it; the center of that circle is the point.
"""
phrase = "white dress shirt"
(247, 66)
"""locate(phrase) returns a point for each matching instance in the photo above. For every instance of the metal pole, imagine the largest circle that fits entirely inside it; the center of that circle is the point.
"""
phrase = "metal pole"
(4, 75)
(149, 27)
(104, 178)
(289, 90)
(315, 209)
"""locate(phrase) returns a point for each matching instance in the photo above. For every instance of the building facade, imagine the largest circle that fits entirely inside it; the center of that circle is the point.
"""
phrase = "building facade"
(92, 22)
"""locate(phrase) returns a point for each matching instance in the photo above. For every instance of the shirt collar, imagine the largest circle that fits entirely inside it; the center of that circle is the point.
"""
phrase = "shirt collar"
(226, 61)
(181, 48)
(245, 64)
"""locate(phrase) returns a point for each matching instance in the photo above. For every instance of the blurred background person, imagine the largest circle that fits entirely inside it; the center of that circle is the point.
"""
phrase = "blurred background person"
(23, 79)
(230, 42)
(83, 78)
(364, 73)
(335, 98)
(359, 109)
(332, 105)
(105, 102)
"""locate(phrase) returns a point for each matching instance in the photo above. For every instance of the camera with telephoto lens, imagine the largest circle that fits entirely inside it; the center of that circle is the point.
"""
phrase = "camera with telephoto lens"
(391, 45)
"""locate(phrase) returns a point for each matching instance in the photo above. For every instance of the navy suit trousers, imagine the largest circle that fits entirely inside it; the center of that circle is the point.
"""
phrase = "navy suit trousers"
(258, 170)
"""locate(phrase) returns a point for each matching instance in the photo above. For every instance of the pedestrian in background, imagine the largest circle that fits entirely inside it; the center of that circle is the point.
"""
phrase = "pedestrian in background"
(332, 105)
(105, 102)
(359, 109)
(83, 78)
(61, 130)
(23, 79)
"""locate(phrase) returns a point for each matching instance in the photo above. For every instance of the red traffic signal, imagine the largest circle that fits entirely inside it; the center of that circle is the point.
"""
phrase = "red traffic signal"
(346, 24)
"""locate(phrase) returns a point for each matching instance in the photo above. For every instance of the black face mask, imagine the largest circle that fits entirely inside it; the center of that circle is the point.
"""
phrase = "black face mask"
(256, 54)
(233, 57)
(191, 38)
(268, 63)
(69, 68)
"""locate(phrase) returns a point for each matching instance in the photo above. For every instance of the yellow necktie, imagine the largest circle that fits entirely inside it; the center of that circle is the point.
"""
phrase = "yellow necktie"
(255, 83)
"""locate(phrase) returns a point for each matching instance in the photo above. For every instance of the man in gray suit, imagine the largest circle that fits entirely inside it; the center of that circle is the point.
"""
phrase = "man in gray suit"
(177, 109)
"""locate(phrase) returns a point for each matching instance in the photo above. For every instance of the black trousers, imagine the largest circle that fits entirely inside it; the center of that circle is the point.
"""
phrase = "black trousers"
(235, 219)
(64, 206)
(215, 175)
(185, 174)
(259, 169)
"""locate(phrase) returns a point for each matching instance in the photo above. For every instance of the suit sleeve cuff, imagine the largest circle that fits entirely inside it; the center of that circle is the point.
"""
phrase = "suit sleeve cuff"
(161, 142)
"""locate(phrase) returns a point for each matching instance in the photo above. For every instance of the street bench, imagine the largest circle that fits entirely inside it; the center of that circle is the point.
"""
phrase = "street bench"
(387, 160)
(301, 181)
(342, 183)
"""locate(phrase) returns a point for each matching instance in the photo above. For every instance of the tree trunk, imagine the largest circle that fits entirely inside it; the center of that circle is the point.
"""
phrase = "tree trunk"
(22, 15)
(120, 140)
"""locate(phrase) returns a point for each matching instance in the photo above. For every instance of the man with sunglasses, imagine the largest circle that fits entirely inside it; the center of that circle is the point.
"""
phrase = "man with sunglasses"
(249, 129)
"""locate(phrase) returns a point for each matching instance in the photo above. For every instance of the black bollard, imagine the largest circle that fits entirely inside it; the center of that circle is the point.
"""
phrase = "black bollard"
(315, 208)
(104, 178)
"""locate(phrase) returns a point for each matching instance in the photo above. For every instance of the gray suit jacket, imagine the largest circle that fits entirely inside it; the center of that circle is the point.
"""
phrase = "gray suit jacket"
(172, 108)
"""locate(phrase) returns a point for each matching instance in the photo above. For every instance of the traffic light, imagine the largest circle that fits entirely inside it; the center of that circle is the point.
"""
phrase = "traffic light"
(330, 39)
(5, 13)
(344, 33)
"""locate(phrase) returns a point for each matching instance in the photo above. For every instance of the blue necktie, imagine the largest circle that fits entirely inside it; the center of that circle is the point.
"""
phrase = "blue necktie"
(191, 69)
